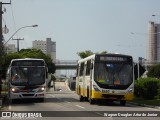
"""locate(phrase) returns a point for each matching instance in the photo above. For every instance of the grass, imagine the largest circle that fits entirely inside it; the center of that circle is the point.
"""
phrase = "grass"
(154, 102)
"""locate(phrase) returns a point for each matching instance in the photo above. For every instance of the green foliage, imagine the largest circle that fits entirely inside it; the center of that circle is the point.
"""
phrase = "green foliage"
(103, 52)
(53, 77)
(158, 96)
(84, 54)
(154, 71)
(51, 67)
(87, 53)
(147, 87)
(137, 88)
(29, 53)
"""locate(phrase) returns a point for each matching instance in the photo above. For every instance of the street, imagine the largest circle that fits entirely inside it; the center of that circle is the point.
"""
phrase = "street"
(67, 102)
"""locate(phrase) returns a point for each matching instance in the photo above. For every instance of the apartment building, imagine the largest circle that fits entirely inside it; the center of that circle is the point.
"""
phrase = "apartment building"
(48, 47)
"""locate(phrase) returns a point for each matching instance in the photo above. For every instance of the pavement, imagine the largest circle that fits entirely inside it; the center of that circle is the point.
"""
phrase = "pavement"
(144, 105)
(129, 102)
(65, 87)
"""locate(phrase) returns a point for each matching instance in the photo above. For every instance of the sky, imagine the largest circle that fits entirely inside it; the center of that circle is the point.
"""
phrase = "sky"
(79, 25)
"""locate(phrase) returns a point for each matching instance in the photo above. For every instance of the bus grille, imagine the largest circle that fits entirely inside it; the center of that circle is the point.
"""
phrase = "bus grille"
(112, 96)
(28, 94)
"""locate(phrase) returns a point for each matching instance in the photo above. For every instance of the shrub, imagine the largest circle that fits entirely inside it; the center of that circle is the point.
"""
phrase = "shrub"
(154, 71)
(147, 87)
(137, 88)
(158, 91)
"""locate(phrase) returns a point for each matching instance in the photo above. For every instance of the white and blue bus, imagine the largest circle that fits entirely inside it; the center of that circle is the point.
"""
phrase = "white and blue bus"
(26, 78)
(105, 76)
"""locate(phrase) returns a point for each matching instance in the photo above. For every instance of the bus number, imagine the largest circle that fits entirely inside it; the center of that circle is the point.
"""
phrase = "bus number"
(105, 91)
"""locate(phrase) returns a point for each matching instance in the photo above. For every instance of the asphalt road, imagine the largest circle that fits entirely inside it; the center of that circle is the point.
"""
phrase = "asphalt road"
(64, 104)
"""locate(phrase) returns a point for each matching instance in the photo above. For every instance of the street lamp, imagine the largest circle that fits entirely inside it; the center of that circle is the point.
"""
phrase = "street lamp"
(155, 15)
(17, 31)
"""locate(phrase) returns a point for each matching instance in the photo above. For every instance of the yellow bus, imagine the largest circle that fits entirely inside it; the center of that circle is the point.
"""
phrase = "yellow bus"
(105, 76)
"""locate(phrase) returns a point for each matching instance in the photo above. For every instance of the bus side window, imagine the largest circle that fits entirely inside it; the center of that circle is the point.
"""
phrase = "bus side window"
(88, 67)
(81, 69)
(91, 67)
(77, 73)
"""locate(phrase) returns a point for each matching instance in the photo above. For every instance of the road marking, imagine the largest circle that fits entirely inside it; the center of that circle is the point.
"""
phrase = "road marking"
(153, 109)
(80, 106)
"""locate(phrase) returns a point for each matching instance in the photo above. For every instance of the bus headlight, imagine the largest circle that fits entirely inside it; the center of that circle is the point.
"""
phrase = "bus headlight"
(41, 89)
(15, 90)
(130, 90)
(95, 88)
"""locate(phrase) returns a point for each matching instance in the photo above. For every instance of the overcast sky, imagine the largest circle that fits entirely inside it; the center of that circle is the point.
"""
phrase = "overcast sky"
(78, 25)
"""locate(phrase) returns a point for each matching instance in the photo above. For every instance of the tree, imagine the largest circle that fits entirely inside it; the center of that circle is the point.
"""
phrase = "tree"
(84, 54)
(154, 71)
(29, 53)
(103, 52)
(87, 53)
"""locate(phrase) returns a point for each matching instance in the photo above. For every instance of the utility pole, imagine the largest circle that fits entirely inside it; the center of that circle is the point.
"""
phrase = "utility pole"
(18, 43)
(1, 41)
(1, 34)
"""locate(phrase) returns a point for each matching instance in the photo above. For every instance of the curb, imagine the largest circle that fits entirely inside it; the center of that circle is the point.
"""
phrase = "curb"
(144, 105)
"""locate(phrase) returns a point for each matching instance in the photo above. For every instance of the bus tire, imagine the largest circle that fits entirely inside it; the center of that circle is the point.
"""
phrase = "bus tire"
(12, 101)
(88, 92)
(41, 99)
(123, 102)
(91, 101)
(81, 98)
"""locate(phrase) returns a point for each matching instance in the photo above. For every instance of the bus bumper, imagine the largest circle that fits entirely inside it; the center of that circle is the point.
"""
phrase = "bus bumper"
(99, 95)
(26, 95)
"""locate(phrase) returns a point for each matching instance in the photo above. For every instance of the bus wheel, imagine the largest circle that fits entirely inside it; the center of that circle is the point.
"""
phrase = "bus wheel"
(12, 101)
(41, 99)
(81, 98)
(91, 101)
(123, 102)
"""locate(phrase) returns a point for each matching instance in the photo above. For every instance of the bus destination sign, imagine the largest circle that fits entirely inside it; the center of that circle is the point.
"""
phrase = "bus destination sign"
(28, 63)
(114, 58)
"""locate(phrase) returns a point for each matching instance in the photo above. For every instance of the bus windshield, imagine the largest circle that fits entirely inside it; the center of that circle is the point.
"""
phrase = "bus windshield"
(113, 74)
(22, 76)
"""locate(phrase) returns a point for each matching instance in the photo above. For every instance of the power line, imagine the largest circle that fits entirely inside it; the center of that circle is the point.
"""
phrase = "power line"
(14, 20)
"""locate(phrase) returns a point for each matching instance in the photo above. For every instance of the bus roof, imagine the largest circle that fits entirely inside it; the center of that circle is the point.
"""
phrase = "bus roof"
(108, 54)
(26, 59)
(27, 62)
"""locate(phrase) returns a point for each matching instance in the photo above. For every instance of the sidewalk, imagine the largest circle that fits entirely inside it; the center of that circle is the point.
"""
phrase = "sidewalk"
(143, 105)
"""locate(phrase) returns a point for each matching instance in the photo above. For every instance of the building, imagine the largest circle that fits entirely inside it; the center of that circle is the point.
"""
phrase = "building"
(48, 47)
(10, 48)
(153, 45)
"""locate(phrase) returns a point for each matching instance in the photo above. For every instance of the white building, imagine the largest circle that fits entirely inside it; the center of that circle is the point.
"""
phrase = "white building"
(10, 48)
(48, 47)
(153, 49)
